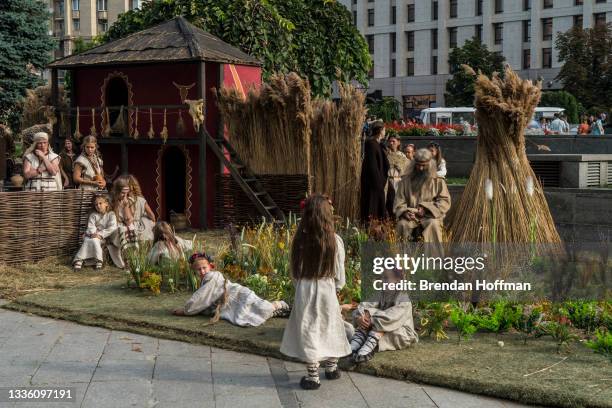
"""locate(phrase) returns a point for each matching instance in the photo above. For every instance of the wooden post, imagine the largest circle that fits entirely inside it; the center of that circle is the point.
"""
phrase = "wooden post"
(124, 158)
(202, 182)
(55, 102)
(221, 128)
(2, 161)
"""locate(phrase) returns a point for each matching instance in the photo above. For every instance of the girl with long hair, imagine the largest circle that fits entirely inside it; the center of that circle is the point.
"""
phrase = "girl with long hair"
(436, 152)
(227, 300)
(88, 172)
(315, 332)
(166, 244)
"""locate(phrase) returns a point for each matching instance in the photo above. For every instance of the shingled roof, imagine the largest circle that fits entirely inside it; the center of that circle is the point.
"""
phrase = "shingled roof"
(173, 40)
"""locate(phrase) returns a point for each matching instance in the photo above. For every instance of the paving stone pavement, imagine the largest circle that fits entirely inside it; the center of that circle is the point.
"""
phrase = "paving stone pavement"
(118, 369)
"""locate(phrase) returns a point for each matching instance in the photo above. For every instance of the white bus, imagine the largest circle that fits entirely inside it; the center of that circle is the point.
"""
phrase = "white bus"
(453, 116)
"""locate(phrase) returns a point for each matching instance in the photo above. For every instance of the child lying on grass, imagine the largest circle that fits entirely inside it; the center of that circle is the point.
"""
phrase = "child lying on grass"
(231, 301)
(383, 325)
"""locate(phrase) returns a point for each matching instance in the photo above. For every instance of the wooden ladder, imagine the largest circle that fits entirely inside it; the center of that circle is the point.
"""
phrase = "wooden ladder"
(246, 179)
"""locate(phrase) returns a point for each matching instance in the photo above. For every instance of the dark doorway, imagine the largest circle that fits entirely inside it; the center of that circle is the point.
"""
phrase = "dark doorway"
(116, 96)
(174, 181)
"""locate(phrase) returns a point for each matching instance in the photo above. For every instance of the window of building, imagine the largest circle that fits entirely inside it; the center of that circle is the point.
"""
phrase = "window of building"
(370, 17)
(600, 1)
(547, 29)
(479, 7)
(434, 10)
(526, 5)
(103, 26)
(434, 39)
(453, 8)
(434, 65)
(76, 24)
(371, 72)
(546, 57)
(452, 37)
(59, 28)
(410, 67)
(499, 6)
(578, 20)
(498, 33)
(134, 4)
(393, 41)
(411, 13)
(578, 2)
(370, 41)
(75, 5)
(547, 4)
(478, 32)
(59, 8)
(102, 6)
(393, 15)
(393, 70)
(355, 17)
(526, 59)
(354, 1)
(526, 30)
(599, 19)
(410, 40)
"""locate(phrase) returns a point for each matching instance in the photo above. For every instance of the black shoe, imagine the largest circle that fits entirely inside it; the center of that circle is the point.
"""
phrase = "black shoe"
(309, 384)
(332, 375)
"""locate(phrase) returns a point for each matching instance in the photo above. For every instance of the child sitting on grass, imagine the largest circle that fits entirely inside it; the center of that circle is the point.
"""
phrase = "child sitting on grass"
(233, 302)
(383, 325)
(315, 332)
(166, 245)
(101, 224)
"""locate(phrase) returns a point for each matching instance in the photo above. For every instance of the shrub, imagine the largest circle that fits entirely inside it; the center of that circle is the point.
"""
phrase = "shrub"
(500, 317)
(562, 99)
(529, 322)
(602, 343)
(464, 320)
(434, 319)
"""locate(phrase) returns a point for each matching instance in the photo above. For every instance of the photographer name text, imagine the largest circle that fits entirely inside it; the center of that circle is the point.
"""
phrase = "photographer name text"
(425, 285)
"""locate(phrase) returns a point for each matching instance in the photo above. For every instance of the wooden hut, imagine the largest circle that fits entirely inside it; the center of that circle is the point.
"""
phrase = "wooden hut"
(140, 94)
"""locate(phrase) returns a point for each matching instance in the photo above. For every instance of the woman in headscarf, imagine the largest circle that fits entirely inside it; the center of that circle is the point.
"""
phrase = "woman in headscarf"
(41, 166)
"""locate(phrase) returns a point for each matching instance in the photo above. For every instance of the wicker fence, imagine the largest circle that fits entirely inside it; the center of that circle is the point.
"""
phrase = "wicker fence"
(233, 206)
(35, 225)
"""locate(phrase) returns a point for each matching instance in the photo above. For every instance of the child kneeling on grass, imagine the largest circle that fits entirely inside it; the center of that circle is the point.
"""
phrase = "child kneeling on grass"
(233, 302)
(315, 332)
(383, 325)
(101, 224)
(167, 245)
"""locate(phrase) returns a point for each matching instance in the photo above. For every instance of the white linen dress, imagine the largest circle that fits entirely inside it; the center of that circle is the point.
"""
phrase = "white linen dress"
(316, 331)
(102, 224)
(161, 251)
(243, 307)
(88, 172)
(143, 227)
(45, 181)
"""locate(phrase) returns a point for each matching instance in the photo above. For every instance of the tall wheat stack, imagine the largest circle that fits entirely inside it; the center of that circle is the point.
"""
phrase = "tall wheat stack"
(518, 211)
(279, 129)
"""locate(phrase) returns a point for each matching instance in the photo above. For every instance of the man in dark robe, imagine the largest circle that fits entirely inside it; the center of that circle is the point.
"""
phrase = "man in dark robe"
(374, 170)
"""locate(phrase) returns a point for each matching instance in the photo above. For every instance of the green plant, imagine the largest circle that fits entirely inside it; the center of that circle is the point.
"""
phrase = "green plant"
(602, 343)
(387, 109)
(136, 260)
(434, 319)
(464, 320)
(529, 322)
(560, 329)
(499, 317)
(584, 315)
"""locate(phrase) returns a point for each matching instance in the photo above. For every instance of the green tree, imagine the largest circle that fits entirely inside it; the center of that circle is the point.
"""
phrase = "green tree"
(314, 38)
(25, 49)
(460, 87)
(563, 99)
(587, 64)
(387, 109)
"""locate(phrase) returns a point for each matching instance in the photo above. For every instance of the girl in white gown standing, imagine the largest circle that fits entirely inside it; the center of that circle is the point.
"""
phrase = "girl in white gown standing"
(315, 332)
(102, 224)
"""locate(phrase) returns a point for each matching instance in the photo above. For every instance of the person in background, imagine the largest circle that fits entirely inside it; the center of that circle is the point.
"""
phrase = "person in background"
(41, 165)
(436, 153)
(565, 129)
(583, 128)
(374, 170)
(544, 125)
(88, 172)
(67, 156)
(556, 126)
(398, 165)
(597, 127)
(409, 151)
(167, 245)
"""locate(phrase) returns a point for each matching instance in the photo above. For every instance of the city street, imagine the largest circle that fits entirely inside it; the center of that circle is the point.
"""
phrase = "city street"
(119, 369)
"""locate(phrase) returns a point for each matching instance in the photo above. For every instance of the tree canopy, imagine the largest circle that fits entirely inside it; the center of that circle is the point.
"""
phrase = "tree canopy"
(314, 38)
(587, 64)
(460, 87)
(25, 49)
(563, 99)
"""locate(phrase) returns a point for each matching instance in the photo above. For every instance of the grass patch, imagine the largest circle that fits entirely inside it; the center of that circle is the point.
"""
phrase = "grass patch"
(456, 180)
(478, 366)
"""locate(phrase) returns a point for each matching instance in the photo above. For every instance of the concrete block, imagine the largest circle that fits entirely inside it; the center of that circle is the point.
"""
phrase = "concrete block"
(128, 370)
(181, 349)
(385, 393)
(183, 369)
(63, 373)
(136, 394)
(183, 394)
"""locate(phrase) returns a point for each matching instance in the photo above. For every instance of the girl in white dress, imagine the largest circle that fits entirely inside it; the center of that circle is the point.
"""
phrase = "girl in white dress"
(230, 301)
(167, 245)
(315, 332)
(88, 173)
(101, 224)
(436, 152)
(41, 166)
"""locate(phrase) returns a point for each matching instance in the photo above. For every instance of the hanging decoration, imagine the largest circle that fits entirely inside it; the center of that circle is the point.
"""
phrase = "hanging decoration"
(164, 132)
(77, 133)
(180, 125)
(151, 132)
(119, 125)
(92, 130)
(136, 135)
(196, 110)
(107, 130)
(183, 90)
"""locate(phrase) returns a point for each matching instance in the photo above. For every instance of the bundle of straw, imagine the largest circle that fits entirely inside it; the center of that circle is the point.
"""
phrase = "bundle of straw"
(503, 200)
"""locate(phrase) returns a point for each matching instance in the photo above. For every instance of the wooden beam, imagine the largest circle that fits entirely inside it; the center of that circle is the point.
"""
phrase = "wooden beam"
(202, 184)
(2, 161)
(124, 159)
(55, 102)
(221, 123)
